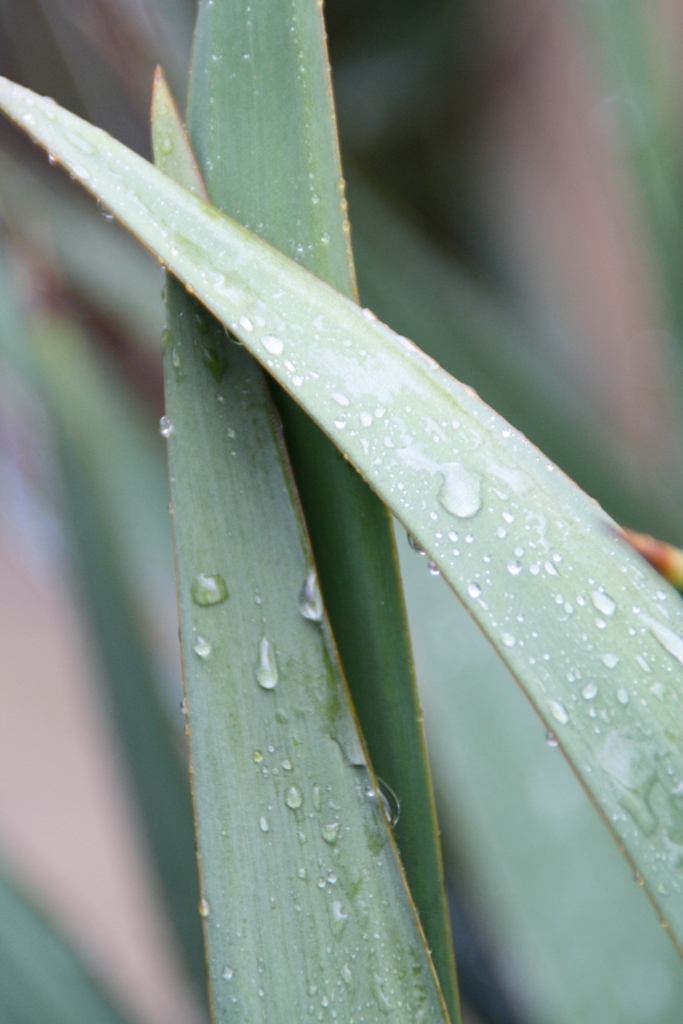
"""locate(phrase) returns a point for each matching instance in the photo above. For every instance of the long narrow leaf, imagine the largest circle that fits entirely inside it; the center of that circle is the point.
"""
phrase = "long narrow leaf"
(582, 622)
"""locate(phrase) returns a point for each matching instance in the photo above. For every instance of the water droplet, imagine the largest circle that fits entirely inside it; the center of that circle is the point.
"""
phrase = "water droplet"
(551, 739)
(105, 211)
(204, 908)
(460, 493)
(317, 798)
(366, 419)
(52, 160)
(166, 427)
(501, 533)
(202, 647)
(347, 975)
(644, 664)
(415, 545)
(257, 756)
(474, 590)
(558, 711)
(330, 832)
(246, 323)
(338, 917)
(310, 600)
(272, 344)
(610, 660)
(550, 569)
(266, 669)
(623, 695)
(589, 691)
(507, 640)
(287, 765)
(294, 798)
(228, 973)
(603, 603)
(433, 568)
(514, 568)
(208, 589)
(340, 399)
(302, 873)
(264, 824)
(166, 145)
(670, 641)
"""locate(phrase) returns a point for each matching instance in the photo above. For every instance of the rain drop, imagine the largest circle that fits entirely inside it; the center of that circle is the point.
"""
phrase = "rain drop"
(670, 641)
(294, 798)
(415, 545)
(589, 691)
(202, 647)
(272, 344)
(246, 323)
(433, 568)
(623, 695)
(610, 660)
(338, 917)
(166, 427)
(330, 832)
(228, 973)
(558, 711)
(603, 603)
(460, 493)
(204, 908)
(551, 739)
(514, 568)
(266, 668)
(474, 590)
(507, 640)
(310, 601)
(264, 824)
(209, 589)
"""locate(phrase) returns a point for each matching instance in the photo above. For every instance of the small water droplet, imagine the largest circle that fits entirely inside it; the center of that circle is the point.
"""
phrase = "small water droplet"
(302, 873)
(52, 160)
(257, 756)
(338, 917)
(317, 798)
(287, 765)
(501, 533)
(310, 600)
(340, 399)
(670, 641)
(550, 569)
(610, 660)
(246, 323)
(623, 695)
(460, 494)
(558, 711)
(589, 691)
(603, 603)
(264, 824)
(266, 670)
(329, 832)
(551, 739)
(202, 647)
(166, 145)
(514, 568)
(208, 589)
(507, 640)
(294, 798)
(272, 344)
(415, 545)
(104, 210)
(166, 427)
(347, 975)
(474, 590)
(366, 419)
(433, 568)
(644, 664)
(204, 908)
(228, 973)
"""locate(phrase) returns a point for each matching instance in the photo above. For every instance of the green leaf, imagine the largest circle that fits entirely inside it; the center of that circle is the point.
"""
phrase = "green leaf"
(581, 621)
(109, 469)
(265, 134)
(303, 899)
(42, 980)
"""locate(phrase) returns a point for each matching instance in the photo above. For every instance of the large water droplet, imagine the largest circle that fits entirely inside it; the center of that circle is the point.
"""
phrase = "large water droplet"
(166, 427)
(294, 798)
(670, 641)
(558, 711)
(460, 493)
(266, 669)
(208, 589)
(329, 832)
(310, 600)
(202, 647)
(603, 602)
(272, 344)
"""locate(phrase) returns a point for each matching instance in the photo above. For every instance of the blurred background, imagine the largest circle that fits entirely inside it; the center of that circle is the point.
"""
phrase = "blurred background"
(514, 180)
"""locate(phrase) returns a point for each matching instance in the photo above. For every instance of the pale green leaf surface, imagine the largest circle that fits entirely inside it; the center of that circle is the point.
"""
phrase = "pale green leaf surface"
(573, 936)
(566, 602)
(304, 903)
(262, 120)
